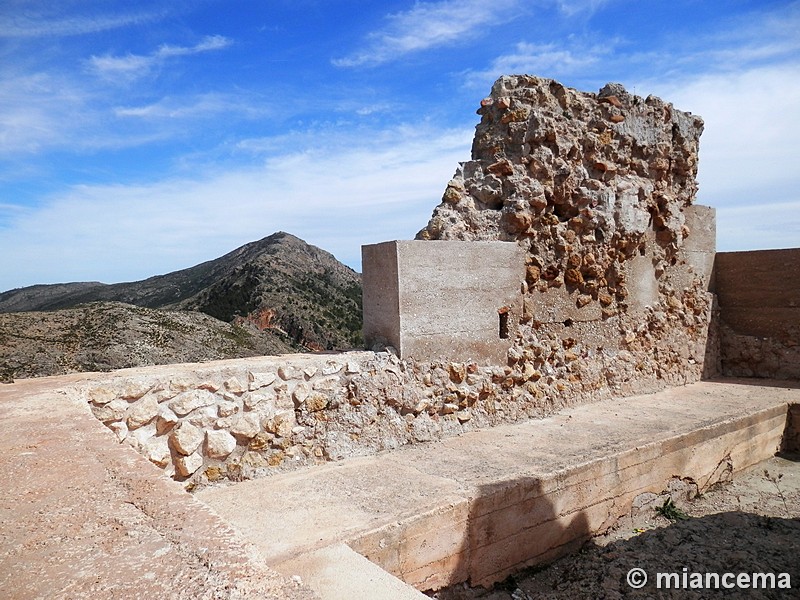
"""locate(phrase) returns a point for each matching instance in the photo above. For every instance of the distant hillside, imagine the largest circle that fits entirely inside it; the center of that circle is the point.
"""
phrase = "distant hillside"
(109, 335)
(279, 283)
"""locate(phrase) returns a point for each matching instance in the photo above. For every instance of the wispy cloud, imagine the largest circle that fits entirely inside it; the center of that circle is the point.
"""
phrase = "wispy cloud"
(382, 186)
(429, 25)
(194, 107)
(550, 60)
(41, 22)
(134, 66)
(573, 7)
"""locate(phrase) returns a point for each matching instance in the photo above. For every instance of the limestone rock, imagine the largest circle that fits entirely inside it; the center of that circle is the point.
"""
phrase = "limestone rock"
(186, 402)
(260, 380)
(112, 411)
(185, 466)
(245, 426)
(233, 385)
(156, 450)
(141, 413)
(165, 420)
(186, 438)
(219, 444)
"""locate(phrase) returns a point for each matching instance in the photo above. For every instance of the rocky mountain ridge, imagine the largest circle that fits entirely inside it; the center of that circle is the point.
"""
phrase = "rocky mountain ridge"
(275, 295)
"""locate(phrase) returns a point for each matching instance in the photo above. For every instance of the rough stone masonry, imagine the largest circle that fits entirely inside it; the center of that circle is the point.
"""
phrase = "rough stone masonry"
(598, 189)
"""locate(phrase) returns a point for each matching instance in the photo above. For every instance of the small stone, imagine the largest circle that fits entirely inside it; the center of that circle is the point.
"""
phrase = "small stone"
(120, 430)
(261, 441)
(233, 385)
(327, 383)
(316, 401)
(141, 413)
(288, 373)
(300, 393)
(214, 474)
(449, 408)
(583, 300)
(464, 415)
(605, 298)
(331, 367)
(252, 399)
(208, 385)
(219, 444)
(186, 402)
(260, 380)
(309, 372)
(165, 420)
(616, 118)
(113, 411)
(573, 277)
(458, 371)
(186, 466)
(186, 438)
(156, 450)
(226, 409)
(281, 423)
(532, 274)
(352, 368)
(102, 395)
(245, 426)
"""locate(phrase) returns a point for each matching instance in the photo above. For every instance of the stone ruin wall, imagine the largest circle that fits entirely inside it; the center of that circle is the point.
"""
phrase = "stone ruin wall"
(236, 420)
(598, 190)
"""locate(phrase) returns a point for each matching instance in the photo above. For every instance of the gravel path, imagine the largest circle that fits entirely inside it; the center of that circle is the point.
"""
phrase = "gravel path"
(749, 525)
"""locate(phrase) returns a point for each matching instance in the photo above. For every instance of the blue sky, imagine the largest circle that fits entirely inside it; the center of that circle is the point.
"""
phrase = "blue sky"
(137, 138)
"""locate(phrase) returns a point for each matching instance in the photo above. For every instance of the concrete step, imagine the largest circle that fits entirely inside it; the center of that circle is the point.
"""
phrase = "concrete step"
(339, 573)
(485, 504)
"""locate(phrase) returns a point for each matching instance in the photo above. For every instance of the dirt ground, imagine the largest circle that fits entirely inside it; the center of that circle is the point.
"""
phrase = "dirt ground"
(748, 525)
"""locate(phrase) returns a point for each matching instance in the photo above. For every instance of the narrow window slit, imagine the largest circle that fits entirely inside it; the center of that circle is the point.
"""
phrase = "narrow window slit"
(503, 313)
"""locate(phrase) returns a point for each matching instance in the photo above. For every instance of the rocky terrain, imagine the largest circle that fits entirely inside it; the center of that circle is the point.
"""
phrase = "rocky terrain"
(102, 336)
(272, 296)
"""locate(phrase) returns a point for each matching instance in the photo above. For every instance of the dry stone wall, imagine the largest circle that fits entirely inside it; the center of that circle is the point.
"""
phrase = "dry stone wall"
(235, 420)
(598, 190)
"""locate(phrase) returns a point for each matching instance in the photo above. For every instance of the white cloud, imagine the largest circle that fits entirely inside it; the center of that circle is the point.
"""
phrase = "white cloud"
(341, 194)
(546, 60)
(193, 107)
(429, 25)
(748, 151)
(134, 66)
(573, 7)
(40, 23)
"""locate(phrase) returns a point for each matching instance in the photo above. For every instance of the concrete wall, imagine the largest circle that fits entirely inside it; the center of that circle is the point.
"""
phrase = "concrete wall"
(759, 301)
(443, 300)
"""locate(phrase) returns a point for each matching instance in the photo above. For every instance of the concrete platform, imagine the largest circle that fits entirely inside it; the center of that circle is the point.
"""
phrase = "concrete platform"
(480, 506)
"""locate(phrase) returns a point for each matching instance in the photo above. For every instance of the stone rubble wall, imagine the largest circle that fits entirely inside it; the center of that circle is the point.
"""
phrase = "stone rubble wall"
(239, 419)
(598, 191)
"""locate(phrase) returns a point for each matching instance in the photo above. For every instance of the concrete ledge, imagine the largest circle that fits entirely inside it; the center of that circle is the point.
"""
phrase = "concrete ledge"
(339, 573)
(480, 506)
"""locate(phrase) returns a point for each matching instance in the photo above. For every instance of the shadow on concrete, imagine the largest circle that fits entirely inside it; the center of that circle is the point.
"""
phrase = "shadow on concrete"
(728, 542)
(511, 525)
